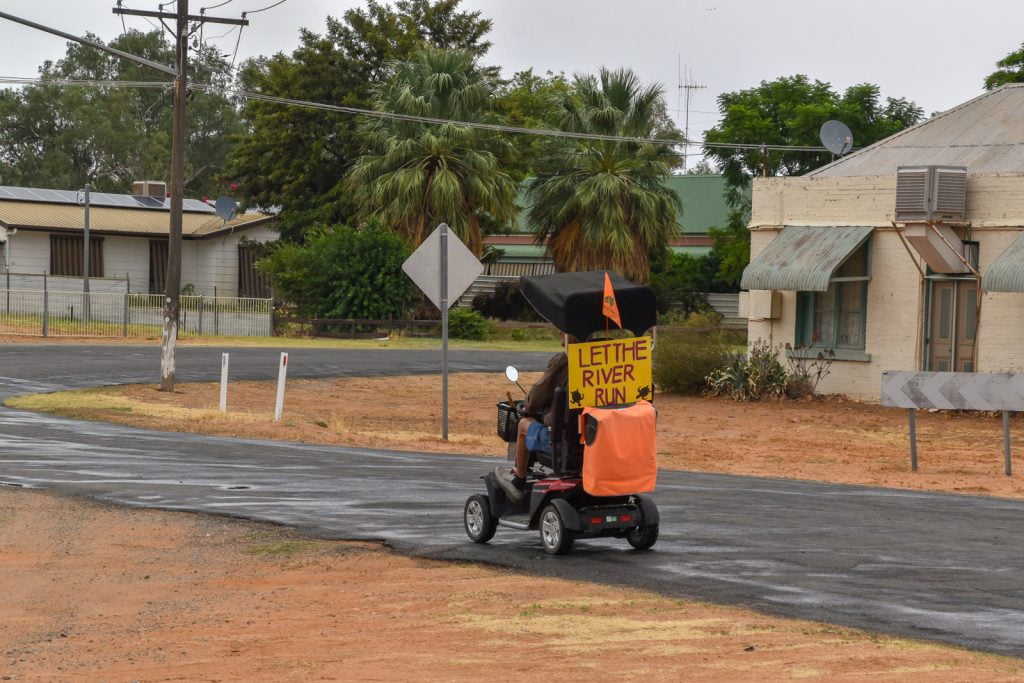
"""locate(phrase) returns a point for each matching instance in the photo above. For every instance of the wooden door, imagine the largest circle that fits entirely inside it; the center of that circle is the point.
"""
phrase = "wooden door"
(953, 326)
(940, 337)
(966, 325)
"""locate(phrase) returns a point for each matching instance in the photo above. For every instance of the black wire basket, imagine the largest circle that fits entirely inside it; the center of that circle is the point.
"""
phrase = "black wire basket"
(508, 422)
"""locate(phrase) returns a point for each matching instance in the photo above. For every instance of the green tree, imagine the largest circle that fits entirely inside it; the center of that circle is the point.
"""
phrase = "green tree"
(1011, 70)
(295, 158)
(787, 111)
(528, 100)
(415, 176)
(341, 272)
(602, 204)
(790, 111)
(64, 137)
(681, 280)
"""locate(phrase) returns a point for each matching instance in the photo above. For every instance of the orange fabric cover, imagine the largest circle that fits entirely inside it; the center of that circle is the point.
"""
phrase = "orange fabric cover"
(623, 458)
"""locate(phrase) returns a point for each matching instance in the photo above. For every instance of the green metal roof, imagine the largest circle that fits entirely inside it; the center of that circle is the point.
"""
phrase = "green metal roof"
(521, 252)
(535, 252)
(802, 258)
(692, 251)
(1006, 274)
(704, 206)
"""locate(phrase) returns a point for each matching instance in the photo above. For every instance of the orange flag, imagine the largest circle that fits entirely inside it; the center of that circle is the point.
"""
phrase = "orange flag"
(610, 307)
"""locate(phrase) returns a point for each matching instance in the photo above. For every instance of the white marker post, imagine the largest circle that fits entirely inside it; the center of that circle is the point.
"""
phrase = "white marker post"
(281, 373)
(223, 382)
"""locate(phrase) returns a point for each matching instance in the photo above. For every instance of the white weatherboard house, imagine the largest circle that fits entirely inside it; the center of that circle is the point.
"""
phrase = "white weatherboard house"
(41, 231)
(905, 255)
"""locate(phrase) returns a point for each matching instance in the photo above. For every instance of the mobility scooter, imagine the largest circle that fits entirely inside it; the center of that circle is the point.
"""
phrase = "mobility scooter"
(565, 498)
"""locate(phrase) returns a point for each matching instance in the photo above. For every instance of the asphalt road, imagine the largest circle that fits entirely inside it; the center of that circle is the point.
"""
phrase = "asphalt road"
(940, 567)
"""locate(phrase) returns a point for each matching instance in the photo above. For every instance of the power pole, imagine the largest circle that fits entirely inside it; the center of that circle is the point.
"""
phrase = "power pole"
(87, 301)
(172, 306)
(685, 88)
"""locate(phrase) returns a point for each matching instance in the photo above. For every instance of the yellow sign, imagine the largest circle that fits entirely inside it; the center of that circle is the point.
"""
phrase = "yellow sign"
(610, 372)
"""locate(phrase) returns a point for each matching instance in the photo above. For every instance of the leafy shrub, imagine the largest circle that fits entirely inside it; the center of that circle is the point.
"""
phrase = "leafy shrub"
(683, 359)
(341, 272)
(697, 319)
(464, 323)
(681, 281)
(505, 303)
(760, 375)
(806, 372)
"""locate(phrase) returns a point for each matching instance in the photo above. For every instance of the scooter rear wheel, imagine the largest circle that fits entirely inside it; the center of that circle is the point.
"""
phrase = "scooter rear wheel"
(643, 537)
(556, 539)
(477, 518)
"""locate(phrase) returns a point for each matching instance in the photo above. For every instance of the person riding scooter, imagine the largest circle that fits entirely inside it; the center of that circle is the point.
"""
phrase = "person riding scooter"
(535, 435)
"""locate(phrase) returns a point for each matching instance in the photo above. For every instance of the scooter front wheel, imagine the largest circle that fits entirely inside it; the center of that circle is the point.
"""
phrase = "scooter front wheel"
(477, 518)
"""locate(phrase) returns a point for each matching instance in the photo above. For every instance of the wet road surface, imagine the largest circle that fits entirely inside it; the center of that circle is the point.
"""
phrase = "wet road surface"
(934, 566)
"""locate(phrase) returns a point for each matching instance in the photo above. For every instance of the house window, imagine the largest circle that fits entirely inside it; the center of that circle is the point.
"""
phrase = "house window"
(251, 282)
(66, 256)
(157, 266)
(837, 318)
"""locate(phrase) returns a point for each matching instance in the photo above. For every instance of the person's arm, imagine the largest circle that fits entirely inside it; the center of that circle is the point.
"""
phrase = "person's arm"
(543, 392)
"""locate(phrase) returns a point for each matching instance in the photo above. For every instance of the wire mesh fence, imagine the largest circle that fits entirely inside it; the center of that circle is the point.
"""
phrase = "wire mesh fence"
(98, 314)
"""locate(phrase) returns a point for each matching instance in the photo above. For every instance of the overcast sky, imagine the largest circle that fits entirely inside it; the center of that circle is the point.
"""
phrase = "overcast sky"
(934, 52)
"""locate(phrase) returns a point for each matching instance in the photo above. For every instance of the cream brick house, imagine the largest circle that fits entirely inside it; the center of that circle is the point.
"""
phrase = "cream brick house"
(41, 231)
(835, 265)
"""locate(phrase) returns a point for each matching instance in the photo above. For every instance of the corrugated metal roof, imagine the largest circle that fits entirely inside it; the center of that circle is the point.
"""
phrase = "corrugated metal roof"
(39, 215)
(802, 258)
(1006, 274)
(117, 201)
(704, 205)
(985, 134)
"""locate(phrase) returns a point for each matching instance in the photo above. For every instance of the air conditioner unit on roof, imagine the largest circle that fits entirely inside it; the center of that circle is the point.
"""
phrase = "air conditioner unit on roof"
(930, 193)
(149, 188)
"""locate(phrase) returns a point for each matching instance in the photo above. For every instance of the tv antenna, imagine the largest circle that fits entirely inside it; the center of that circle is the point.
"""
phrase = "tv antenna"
(836, 137)
(685, 88)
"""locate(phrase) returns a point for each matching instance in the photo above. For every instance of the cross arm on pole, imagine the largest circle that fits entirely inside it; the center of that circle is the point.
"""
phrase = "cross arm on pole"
(172, 15)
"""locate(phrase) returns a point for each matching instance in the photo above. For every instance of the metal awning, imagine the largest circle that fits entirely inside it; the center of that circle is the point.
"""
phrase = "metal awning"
(802, 258)
(1006, 274)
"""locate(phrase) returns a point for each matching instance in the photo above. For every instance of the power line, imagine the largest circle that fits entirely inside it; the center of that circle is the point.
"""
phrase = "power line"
(202, 10)
(238, 42)
(226, 33)
(257, 11)
(411, 118)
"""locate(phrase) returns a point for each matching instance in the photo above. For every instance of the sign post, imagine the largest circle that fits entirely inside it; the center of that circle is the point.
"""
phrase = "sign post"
(224, 383)
(1002, 392)
(443, 280)
(282, 373)
(443, 268)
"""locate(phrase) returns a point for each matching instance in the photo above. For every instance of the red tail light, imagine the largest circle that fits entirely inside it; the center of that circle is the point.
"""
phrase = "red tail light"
(596, 520)
(626, 518)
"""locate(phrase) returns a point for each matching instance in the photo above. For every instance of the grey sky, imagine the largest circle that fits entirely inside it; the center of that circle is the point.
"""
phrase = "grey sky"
(935, 52)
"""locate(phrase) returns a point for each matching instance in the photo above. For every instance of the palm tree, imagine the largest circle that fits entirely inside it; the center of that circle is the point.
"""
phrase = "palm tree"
(417, 175)
(601, 204)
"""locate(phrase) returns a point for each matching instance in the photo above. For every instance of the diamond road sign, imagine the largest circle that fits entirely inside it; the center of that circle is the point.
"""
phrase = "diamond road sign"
(953, 390)
(424, 267)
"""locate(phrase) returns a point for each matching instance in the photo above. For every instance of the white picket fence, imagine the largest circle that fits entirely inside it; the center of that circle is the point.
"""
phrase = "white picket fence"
(101, 314)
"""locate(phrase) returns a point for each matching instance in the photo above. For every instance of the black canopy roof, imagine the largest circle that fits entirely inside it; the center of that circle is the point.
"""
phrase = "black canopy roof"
(572, 302)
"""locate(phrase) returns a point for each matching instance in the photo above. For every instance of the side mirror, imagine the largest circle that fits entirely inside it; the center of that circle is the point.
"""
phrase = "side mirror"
(512, 373)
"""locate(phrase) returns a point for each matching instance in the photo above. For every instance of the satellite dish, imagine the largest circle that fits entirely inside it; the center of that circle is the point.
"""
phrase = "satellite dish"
(226, 208)
(836, 137)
